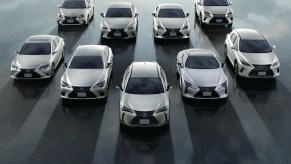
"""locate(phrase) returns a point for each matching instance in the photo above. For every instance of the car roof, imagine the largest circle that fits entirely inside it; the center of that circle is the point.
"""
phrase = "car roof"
(119, 5)
(170, 6)
(249, 34)
(144, 69)
(40, 39)
(200, 52)
(89, 50)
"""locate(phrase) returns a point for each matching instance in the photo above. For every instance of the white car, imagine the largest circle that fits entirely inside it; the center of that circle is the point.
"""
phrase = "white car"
(75, 12)
(201, 76)
(120, 21)
(214, 12)
(38, 57)
(251, 55)
(144, 99)
(88, 73)
(170, 22)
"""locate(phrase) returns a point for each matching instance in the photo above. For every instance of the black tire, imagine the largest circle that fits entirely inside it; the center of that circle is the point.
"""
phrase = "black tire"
(236, 70)
(225, 53)
(229, 25)
(53, 70)
(200, 21)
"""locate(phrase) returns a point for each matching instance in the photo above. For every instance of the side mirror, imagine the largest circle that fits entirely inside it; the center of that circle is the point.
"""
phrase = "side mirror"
(65, 65)
(17, 52)
(222, 65)
(274, 47)
(108, 65)
(89, 6)
(187, 14)
(102, 14)
(230, 3)
(136, 14)
(119, 87)
(59, 6)
(199, 3)
(169, 87)
(180, 64)
(154, 14)
(55, 52)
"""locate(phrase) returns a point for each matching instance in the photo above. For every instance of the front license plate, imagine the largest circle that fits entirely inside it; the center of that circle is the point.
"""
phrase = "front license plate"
(117, 34)
(207, 94)
(81, 94)
(70, 21)
(173, 34)
(144, 121)
(27, 75)
(262, 73)
(218, 20)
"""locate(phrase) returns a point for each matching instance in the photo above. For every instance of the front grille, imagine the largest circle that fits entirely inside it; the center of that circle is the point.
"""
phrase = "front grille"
(77, 90)
(199, 94)
(28, 71)
(73, 19)
(217, 17)
(174, 30)
(115, 31)
(261, 68)
(144, 115)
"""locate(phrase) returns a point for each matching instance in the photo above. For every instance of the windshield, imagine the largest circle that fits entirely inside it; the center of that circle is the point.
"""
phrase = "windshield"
(171, 13)
(119, 12)
(86, 62)
(74, 5)
(35, 49)
(144, 85)
(215, 3)
(254, 46)
(202, 62)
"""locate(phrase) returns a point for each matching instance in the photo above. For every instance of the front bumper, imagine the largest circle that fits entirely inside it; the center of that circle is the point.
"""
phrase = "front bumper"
(172, 33)
(71, 21)
(118, 34)
(31, 73)
(144, 118)
(259, 71)
(204, 92)
(218, 19)
(83, 92)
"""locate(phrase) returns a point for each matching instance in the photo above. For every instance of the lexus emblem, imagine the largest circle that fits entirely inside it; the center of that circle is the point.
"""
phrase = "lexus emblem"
(144, 115)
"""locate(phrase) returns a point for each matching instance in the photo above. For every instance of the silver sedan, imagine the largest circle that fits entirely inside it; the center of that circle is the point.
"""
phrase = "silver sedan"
(38, 57)
(88, 73)
(201, 76)
(170, 22)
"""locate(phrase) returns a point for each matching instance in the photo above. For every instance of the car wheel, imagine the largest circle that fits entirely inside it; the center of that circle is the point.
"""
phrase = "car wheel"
(225, 52)
(200, 21)
(52, 70)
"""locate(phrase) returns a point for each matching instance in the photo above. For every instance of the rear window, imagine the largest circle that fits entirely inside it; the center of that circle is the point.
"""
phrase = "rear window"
(87, 62)
(144, 85)
(35, 49)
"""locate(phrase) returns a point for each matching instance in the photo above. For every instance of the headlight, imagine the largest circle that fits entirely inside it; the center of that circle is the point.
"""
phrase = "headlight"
(164, 109)
(245, 63)
(229, 14)
(81, 16)
(185, 28)
(61, 15)
(276, 64)
(65, 85)
(207, 14)
(100, 84)
(105, 27)
(187, 84)
(127, 109)
(223, 85)
(159, 27)
(129, 27)
(14, 67)
(46, 66)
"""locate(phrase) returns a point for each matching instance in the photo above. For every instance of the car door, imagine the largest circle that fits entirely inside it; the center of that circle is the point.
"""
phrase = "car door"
(107, 61)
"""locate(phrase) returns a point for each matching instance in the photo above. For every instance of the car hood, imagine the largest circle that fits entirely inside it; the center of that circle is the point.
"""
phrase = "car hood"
(32, 61)
(118, 23)
(260, 58)
(217, 9)
(72, 12)
(172, 22)
(145, 102)
(84, 77)
(204, 77)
